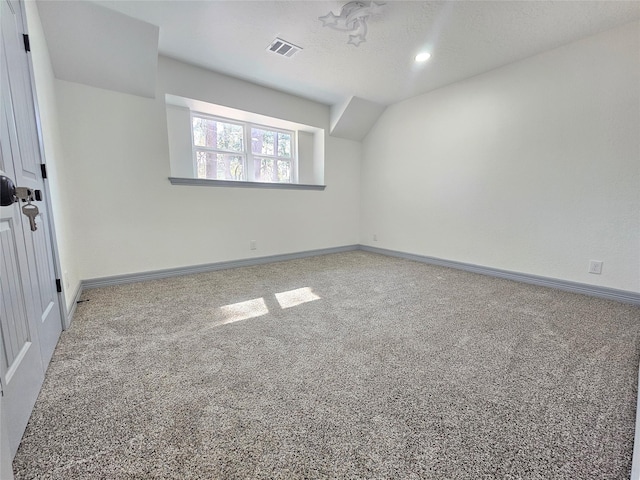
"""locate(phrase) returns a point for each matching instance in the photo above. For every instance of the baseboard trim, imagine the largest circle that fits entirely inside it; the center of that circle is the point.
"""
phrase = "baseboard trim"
(209, 267)
(74, 304)
(623, 296)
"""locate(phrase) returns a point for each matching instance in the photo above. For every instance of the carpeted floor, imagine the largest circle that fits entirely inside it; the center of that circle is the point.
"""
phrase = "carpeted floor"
(351, 365)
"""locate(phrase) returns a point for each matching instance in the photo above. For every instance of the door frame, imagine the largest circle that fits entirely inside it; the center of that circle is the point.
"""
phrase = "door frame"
(57, 267)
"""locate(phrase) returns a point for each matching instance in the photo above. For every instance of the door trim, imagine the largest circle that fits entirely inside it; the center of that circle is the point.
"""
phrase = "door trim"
(57, 267)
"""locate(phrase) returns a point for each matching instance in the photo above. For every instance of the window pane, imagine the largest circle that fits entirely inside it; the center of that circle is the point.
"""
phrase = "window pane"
(199, 131)
(271, 170)
(218, 166)
(284, 171)
(213, 134)
(230, 137)
(264, 170)
(284, 144)
(262, 141)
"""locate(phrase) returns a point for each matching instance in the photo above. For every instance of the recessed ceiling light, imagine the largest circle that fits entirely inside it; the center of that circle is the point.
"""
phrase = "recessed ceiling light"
(423, 57)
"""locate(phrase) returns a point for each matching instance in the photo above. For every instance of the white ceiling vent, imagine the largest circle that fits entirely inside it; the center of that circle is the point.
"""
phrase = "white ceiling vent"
(284, 48)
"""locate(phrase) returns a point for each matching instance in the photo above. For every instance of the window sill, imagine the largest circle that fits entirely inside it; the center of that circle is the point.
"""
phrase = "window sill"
(202, 182)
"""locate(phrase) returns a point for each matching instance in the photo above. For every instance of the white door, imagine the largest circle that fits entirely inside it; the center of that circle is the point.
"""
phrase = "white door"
(30, 323)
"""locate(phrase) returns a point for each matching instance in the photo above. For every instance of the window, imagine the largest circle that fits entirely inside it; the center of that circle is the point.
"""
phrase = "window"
(219, 149)
(272, 158)
(223, 147)
(228, 150)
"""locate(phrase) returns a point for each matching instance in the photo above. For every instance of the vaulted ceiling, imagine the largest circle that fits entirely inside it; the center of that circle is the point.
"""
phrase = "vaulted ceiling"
(465, 38)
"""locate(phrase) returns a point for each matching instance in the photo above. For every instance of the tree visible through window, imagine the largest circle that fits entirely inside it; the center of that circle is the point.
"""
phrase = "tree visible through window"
(272, 155)
(219, 149)
(222, 151)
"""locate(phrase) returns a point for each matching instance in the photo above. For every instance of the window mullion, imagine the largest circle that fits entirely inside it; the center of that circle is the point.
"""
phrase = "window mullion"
(274, 176)
(249, 153)
(251, 172)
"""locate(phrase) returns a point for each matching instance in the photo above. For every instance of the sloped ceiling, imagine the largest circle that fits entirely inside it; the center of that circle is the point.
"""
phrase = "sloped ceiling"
(465, 38)
(100, 47)
(354, 119)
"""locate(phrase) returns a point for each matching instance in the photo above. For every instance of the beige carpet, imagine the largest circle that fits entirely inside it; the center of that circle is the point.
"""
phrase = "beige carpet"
(351, 365)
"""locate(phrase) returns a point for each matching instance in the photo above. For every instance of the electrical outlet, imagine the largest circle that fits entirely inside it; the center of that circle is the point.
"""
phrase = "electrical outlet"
(595, 266)
(375, 237)
(252, 245)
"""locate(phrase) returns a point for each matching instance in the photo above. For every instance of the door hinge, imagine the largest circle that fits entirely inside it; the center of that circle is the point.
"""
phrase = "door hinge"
(27, 45)
(43, 170)
(58, 285)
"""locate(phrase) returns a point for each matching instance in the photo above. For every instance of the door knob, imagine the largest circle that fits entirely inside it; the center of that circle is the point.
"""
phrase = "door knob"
(7, 191)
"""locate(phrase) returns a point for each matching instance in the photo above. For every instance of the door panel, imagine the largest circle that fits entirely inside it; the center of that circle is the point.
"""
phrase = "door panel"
(14, 329)
(19, 83)
(26, 159)
(31, 319)
(45, 293)
(22, 371)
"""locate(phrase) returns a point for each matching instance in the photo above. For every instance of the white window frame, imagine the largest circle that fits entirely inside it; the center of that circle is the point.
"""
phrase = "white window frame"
(247, 152)
(195, 148)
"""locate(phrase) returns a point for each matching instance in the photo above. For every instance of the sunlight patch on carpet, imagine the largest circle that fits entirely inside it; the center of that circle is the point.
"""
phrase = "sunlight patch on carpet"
(237, 312)
(293, 298)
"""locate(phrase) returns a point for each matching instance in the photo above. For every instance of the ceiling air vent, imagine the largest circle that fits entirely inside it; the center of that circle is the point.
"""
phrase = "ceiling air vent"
(284, 48)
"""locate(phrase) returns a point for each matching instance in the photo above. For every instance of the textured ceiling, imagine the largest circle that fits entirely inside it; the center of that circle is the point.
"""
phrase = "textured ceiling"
(465, 38)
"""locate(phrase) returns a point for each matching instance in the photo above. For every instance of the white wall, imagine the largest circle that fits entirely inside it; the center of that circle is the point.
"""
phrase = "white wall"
(180, 142)
(59, 184)
(129, 218)
(533, 167)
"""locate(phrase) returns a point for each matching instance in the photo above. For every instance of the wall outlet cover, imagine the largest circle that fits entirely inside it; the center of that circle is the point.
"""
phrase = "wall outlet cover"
(595, 266)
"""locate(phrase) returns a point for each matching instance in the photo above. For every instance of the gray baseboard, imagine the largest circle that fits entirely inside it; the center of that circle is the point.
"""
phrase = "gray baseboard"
(574, 287)
(172, 272)
(72, 310)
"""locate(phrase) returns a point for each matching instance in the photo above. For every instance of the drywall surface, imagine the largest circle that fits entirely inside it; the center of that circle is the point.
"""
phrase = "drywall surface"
(180, 143)
(97, 46)
(533, 167)
(131, 219)
(60, 188)
(182, 79)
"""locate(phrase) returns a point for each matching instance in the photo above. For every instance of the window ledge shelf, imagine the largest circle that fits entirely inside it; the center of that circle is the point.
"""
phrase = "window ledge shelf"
(202, 182)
